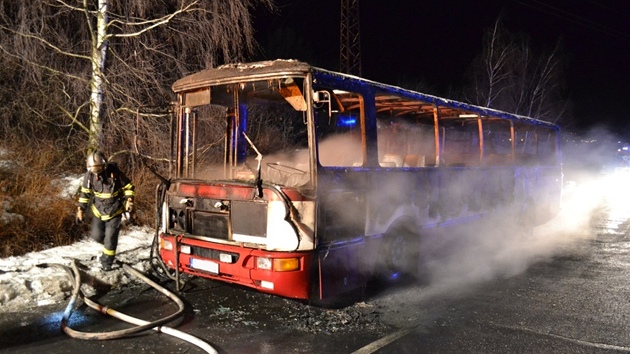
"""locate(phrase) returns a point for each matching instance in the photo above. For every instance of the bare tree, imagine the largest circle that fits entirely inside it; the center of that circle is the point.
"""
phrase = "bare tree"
(490, 75)
(509, 76)
(94, 66)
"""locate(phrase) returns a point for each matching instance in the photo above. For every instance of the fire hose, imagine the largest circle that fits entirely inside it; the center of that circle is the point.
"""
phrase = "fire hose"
(141, 325)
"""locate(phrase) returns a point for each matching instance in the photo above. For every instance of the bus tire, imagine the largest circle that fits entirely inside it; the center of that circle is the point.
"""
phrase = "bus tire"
(399, 254)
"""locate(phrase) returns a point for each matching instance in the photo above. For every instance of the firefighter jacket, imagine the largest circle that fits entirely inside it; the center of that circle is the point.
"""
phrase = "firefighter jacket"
(106, 192)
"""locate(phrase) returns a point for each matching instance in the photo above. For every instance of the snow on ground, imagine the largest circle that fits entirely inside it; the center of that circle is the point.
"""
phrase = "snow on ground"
(25, 284)
(70, 185)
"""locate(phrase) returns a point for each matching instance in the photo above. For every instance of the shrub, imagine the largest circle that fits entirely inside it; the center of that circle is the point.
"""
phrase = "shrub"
(28, 188)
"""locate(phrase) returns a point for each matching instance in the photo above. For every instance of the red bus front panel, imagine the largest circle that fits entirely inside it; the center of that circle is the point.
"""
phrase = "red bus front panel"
(240, 265)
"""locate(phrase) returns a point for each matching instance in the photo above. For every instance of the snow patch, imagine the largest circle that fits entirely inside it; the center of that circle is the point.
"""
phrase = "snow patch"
(69, 185)
(6, 217)
(29, 281)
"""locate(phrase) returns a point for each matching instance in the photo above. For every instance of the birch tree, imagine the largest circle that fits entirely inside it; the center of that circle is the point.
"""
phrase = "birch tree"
(490, 74)
(508, 75)
(92, 66)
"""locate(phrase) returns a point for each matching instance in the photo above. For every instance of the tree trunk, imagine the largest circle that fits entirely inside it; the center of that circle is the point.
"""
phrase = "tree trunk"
(99, 52)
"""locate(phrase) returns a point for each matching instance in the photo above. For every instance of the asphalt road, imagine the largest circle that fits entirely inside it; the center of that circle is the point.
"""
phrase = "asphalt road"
(572, 298)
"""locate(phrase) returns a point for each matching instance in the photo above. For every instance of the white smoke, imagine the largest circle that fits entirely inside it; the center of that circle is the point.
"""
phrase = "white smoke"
(594, 201)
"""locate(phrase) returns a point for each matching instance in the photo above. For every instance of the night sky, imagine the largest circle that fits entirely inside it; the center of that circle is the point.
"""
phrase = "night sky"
(435, 42)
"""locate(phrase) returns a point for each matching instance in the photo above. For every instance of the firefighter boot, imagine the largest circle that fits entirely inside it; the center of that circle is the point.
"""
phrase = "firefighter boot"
(107, 262)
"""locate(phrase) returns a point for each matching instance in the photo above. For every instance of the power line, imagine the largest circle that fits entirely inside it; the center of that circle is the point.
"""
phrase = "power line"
(616, 12)
(572, 17)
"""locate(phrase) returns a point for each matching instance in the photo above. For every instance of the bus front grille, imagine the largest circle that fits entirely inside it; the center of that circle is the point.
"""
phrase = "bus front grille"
(249, 218)
(213, 254)
(213, 225)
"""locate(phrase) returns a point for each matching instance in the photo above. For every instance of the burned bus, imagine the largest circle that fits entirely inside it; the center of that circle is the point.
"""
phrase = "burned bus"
(307, 183)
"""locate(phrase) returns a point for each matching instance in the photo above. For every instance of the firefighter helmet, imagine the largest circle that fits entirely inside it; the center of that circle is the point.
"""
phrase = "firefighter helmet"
(96, 162)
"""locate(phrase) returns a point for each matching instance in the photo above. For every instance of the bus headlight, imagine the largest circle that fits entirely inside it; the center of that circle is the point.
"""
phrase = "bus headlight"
(184, 249)
(166, 245)
(263, 263)
(278, 264)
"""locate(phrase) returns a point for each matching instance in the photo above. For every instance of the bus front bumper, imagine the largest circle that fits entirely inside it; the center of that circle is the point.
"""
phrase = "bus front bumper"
(280, 273)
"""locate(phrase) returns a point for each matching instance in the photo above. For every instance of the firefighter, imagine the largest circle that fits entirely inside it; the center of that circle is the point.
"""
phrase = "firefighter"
(110, 194)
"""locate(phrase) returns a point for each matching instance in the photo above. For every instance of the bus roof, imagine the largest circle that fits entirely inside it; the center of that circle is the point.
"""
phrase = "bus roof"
(281, 67)
(237, 72)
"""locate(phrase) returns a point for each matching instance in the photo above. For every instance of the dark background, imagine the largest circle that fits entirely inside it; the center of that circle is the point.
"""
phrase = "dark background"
(434, 42)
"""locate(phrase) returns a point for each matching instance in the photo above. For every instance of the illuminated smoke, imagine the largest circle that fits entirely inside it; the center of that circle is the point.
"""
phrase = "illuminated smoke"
(595, 200)
(341, 150)
(460, 257)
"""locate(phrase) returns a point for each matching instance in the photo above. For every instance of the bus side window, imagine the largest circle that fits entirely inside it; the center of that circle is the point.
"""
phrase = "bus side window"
(526, 147)
(339, 137)
(460, 146)
(497, 145)
(402, 142)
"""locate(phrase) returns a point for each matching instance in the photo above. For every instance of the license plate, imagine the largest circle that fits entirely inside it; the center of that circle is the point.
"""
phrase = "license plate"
(202, 264)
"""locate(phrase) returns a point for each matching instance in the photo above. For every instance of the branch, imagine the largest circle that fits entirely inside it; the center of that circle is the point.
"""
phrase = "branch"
(135, 111)
(45, 43)
(73, 117)
(44, 67)
(151, 23)
(73, 8)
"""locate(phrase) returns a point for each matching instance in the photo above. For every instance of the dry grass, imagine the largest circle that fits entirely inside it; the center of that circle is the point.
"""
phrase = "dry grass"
(31, 187)
(145, 183)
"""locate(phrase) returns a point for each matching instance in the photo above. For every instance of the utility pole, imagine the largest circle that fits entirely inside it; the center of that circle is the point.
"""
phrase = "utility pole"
(350, 39)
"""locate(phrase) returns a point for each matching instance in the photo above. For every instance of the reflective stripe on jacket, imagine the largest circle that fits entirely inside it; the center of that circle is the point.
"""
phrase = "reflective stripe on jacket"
(107, 192)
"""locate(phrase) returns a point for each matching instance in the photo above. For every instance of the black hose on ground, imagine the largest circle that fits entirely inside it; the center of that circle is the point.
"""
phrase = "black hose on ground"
(156, 262)
(141, 325)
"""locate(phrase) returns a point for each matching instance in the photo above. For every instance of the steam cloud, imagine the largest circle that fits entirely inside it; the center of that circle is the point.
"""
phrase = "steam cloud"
(595, 200)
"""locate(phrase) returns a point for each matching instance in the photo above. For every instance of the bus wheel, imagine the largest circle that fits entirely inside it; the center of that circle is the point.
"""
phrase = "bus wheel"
(400, 255)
